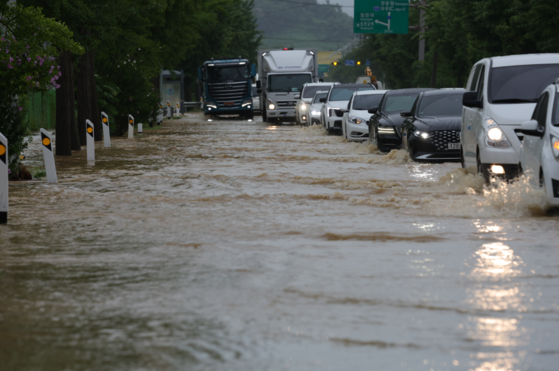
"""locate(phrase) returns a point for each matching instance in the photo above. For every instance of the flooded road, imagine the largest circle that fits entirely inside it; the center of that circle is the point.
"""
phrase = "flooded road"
(232, 245)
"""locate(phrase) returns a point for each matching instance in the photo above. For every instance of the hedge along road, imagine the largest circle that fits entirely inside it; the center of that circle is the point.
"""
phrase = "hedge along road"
(232, 245)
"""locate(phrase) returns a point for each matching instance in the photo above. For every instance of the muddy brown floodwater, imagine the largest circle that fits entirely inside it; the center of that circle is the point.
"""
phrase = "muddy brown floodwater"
(234, 245)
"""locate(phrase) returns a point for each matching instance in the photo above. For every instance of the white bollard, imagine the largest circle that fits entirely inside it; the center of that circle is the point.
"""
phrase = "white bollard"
(130, 126)
(106, 129)
(48, 156)
(3, 179)
(140, 128)
(178, 109)
(169, 110)
(90, 141)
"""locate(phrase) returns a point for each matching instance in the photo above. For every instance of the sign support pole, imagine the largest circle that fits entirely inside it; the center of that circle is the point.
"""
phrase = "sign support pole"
(106, 129)
(130, 126)
(90, 141)
(3, 179)
(48, 156)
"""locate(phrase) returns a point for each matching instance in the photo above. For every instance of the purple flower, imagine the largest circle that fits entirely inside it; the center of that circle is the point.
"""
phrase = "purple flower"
(7, 51)
(27, 47)
(28, 59)
(57, 86)
(20, 109)
(29, 78)
(11, 59)
(10, 66)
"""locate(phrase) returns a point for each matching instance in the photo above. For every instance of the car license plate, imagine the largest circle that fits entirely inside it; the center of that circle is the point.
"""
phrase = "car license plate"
(453, 145)
(229, 103)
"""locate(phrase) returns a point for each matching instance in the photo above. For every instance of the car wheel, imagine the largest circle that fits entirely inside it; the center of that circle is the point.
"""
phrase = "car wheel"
(481, 169)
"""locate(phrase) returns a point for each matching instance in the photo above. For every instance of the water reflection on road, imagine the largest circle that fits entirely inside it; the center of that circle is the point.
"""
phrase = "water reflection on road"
(231, 245)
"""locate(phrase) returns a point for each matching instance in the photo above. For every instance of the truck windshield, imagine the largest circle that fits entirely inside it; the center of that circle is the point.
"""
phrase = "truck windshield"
(399, 103)
(339, 94)
(365, 102)
(441, 105)
(520, 84)
(228, 73)
(310, 91)
(288, 83)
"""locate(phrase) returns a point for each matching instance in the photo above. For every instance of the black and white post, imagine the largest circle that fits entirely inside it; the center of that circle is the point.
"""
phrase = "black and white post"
(169, 109)
(48, 155)
(90, 141)
(178, 109)
(3, 179)
(130, 126)
(106, 129)
(140, 128)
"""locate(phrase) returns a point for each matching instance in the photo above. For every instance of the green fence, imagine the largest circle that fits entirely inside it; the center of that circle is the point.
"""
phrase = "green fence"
(42, 110)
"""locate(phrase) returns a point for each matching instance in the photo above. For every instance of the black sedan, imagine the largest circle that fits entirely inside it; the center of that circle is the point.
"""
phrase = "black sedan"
(386, 122)
(431, 130)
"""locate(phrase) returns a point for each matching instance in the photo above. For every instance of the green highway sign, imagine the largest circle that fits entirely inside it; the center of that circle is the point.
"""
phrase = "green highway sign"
(323, 68)
(381, 16)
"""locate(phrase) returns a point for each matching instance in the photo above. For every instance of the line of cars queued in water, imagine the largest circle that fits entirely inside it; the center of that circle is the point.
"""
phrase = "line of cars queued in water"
(504, 123)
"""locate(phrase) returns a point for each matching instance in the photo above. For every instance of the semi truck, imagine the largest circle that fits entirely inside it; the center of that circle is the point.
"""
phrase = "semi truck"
(226, 85)
(282, 74)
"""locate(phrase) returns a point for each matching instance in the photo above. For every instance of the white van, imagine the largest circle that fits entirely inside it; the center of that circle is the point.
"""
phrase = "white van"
(500, 96)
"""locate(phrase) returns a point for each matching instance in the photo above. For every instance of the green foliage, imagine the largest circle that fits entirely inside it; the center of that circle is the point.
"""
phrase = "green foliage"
(303, 24)
(13, 127)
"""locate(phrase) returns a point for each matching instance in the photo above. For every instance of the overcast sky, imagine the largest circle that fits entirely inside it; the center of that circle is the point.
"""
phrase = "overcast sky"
(346, 9)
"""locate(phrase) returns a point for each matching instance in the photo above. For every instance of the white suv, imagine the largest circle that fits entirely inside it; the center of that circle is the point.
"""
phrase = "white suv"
(305, 100)
(331, 114)
(501, 95)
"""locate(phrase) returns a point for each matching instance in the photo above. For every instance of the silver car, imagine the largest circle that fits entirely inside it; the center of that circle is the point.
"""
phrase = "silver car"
(316, 106)
(305, 99)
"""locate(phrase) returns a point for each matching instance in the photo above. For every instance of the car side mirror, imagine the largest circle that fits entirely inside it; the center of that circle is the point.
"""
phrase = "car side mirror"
(470, 100)
(530, 128)
(373, 110)
(405, 114)
(297, 96)
(259, 91)
(322, 100)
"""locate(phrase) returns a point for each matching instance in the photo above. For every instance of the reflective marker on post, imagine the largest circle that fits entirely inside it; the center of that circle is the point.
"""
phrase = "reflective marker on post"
(130, 126)
(178, 109)
(140, 128)
(90, 141)
(48, 156)
(3, 179)
(106, 129)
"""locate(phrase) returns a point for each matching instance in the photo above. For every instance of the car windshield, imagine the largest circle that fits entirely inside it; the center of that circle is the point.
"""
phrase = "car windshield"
(318, 96)
(288, 82)
(254, 91)
(521, 84)
(365, 102)
(339, 94)
(399, 103)
(310, 91)
(441, 105)
(228, 73)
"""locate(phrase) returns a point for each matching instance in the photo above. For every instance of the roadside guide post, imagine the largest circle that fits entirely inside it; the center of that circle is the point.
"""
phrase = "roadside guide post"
(169, 110)
(178, 109)
(90, 141)
(106, 129)
(3, 179)
(161, 115)
(140, 128)
(48, 156)
(130, 126)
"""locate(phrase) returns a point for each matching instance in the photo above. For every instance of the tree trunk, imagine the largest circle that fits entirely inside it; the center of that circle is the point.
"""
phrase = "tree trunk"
(84, 95)
(64, 106)
(74, 124)
(434, 70)
(95, 114)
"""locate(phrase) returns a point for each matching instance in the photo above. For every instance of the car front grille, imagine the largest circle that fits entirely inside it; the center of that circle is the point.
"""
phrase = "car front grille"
(287, 104)
(228, 94)
(441, 138)
(338, 113)
(338, 123)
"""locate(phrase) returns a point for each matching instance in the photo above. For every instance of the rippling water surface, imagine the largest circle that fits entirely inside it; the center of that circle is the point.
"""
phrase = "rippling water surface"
(232, 245)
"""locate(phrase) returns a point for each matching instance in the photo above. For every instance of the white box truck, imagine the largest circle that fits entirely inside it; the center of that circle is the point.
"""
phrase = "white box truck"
(282, 73)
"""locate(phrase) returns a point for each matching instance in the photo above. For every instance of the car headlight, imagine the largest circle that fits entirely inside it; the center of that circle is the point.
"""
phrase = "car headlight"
(315, 113)
(387, 130)
(555, 146)
(303, 106)
(211, 105)
(271, 105)
(496, 138)
(247, 103)
(421, 134)
(355, 120)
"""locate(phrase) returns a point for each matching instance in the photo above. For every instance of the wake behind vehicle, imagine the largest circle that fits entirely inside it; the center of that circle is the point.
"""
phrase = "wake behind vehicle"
(227, 87)
(385, 124)
(502, 93)
(331, 114)
(282, 74)
(303, 103)
(354, 122)
(539, 154)
(431, 130)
